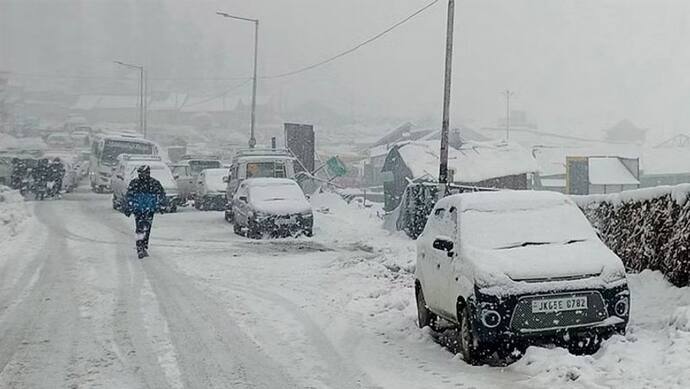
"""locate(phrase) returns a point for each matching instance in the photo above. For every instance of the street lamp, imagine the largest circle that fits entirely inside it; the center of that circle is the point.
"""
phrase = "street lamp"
(252, 139)
(142, 103)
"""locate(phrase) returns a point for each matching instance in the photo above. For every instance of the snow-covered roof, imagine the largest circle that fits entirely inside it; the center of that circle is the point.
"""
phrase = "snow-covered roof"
(473, 162)
(551, 160)
(171, 103)
(609, 171)
(90, 102)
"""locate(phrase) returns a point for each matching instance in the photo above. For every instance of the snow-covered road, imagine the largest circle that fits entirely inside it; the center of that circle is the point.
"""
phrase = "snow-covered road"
(211, 309)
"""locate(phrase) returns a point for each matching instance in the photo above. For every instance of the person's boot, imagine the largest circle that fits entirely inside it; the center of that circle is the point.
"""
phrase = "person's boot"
(146, 252)
(141, 254)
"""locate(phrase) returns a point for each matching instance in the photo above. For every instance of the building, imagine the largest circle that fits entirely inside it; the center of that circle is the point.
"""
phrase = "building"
(481, 164)
(601, 174)
(626, 131)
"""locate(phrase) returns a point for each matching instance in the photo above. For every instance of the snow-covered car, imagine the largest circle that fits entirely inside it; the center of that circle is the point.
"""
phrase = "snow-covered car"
(126, 170)
(275, 207)
(255, 163)
(210, 190)
(516, 268)
(186, 173)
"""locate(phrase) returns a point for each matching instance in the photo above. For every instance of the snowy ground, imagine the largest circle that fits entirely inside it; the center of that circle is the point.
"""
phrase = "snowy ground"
(211, 309)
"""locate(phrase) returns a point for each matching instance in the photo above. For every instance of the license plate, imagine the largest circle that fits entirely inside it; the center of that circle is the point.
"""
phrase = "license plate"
(282, 222)
(559, 304)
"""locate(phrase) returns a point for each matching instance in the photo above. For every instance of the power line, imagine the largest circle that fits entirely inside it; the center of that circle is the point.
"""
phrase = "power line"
(280, 75)
(348, 51)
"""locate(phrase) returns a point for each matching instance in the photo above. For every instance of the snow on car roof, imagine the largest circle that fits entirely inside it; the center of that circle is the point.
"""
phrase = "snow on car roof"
(504, 200)
(269, 181)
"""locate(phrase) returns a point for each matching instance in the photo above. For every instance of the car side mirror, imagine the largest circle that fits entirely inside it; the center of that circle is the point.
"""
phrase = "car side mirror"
(243, 198)
(444, 244)
(226, 179)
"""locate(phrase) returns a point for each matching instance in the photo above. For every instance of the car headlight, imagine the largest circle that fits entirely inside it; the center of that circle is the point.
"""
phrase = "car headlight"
(614, 275)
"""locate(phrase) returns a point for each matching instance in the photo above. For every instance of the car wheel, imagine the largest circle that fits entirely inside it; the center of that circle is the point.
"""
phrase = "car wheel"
(469, 344)
(173, 208)
(309, 232)
(424, 316)
(115, 204)
(229, 216)
(237, 228)
(253, 231)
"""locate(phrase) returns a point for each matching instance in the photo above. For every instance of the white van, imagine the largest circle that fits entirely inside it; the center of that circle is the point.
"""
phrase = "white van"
(256, 163)
(126, 170)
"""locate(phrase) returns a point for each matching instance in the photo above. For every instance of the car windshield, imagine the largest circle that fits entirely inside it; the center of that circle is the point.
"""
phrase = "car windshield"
(158, 171)
(515, 228)
(198, 166)
(276, 192)
(114, 148)
(275, 169)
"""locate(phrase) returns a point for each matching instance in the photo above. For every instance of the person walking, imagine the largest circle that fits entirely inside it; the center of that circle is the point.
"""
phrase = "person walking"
(145, 196)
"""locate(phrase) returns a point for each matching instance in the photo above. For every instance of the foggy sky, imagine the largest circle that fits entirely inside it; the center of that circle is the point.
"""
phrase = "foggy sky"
(574, 64)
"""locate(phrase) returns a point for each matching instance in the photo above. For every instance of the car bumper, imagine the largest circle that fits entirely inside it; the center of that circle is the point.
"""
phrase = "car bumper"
(214, 201)
(522, 325)
(284, 225)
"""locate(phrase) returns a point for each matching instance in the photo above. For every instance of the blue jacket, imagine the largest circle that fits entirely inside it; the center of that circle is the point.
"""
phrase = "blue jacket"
(145, 196)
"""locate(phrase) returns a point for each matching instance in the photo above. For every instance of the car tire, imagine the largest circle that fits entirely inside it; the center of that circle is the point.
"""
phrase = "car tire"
(229, 216)
(308, 232)
(116, 204)
(173, 208)
(469, 345)
(236, 228)
(424, 316)
(253, 231)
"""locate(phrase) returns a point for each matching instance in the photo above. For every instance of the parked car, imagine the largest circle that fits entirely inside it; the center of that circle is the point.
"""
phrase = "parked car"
(186, 173)
(210, 190)
(515, 268)
(255, 163)
(273, 207)
(126, 170)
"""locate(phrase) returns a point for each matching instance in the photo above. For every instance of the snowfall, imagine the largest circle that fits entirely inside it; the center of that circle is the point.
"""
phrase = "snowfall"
(213, 309)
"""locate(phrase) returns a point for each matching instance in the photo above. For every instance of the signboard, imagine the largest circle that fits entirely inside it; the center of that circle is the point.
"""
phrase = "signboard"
(299, 139)
(577, 175)
(336, 167)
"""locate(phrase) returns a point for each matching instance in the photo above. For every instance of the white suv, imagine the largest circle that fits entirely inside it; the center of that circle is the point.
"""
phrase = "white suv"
(126, 170)
(515, 268)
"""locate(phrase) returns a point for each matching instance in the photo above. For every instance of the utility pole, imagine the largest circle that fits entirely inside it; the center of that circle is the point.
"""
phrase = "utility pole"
(443, 168)
(252, 138)
(508, 94)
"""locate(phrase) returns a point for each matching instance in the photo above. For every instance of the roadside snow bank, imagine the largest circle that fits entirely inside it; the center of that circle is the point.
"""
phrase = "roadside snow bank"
(352, 226)
(13, 212)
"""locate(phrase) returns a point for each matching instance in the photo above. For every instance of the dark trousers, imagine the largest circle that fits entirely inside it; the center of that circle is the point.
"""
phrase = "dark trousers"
(143, 229)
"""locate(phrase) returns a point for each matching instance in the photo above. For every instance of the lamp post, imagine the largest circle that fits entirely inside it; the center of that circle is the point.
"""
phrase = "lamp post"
(252, 139)
(142, 102)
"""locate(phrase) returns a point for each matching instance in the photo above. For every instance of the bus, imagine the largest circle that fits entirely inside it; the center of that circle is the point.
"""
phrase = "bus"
(104, 152)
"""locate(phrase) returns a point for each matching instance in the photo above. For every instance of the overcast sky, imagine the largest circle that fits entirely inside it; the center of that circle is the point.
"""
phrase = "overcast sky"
(575, 65)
